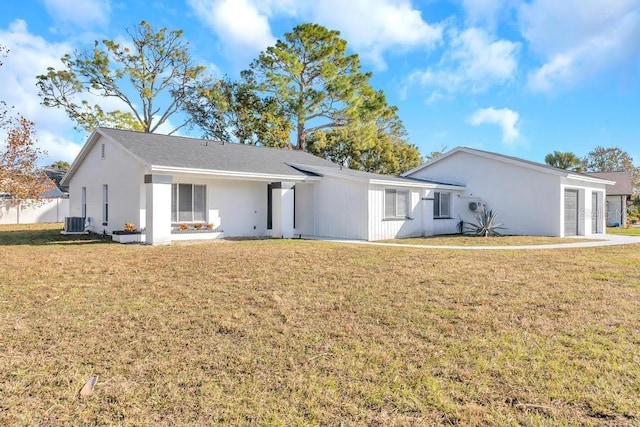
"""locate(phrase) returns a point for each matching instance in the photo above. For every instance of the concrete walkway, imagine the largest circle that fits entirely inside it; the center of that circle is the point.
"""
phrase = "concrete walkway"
(606, 240)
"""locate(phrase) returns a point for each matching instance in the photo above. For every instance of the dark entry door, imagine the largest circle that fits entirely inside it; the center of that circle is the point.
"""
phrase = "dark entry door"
(570, 212)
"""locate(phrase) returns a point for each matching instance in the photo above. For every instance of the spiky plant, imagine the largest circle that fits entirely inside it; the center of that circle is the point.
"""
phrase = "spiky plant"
(486, 224)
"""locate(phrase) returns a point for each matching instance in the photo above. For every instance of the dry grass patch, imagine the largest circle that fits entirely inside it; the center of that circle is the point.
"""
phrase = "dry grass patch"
(463, 240)
(296, 332)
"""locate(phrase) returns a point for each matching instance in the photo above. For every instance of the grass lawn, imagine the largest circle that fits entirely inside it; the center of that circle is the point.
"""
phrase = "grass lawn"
(624, 231)
(462, 240)
(291, 332)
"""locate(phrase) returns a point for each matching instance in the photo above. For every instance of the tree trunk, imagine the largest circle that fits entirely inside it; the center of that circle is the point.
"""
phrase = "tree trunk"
(302, 136)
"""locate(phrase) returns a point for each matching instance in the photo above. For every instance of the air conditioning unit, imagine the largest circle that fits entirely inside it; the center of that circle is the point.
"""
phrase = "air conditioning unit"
(475, 205)
(74, 224)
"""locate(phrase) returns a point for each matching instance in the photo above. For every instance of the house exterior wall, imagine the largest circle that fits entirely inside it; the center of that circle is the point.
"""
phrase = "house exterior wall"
(33, 211)
(123, 175)
(615, 211)
(239, 208)
(341, 209)
(526, 201)
(380, 228)
(305, 209)
(586, 193)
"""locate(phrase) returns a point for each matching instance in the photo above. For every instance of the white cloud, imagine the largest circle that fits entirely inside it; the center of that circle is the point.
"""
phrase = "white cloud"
(579, 39)
(475, 62)
(374, 28)
(29, 56)
(241, 25)
(84, 13)
(484, 12)
(505, 118)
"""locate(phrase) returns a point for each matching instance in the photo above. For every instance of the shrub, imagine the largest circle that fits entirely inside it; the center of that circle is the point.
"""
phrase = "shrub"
(129, 227)
(198, 226)
(182, 226)
(485, 225)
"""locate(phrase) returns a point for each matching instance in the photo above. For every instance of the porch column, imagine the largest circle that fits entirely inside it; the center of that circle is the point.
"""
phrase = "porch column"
(158, 209)
(427, 212)
(283, 210)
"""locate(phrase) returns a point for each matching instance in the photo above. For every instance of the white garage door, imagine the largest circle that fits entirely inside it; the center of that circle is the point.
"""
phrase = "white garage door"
(570, 212)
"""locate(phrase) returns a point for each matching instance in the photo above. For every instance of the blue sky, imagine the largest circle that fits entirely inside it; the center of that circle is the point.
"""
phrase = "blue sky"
(514, 77)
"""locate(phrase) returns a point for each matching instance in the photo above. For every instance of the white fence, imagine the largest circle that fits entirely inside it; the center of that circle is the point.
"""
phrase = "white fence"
(33, 211)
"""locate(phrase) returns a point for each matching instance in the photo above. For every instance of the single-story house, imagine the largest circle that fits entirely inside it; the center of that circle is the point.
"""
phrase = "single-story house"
(177, 188)
(529, 198)
(618, 195)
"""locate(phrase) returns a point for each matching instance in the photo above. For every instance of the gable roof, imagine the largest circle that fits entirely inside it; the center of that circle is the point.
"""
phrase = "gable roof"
(170, 154)
(622, 186)
(540, 167)
(192, 155)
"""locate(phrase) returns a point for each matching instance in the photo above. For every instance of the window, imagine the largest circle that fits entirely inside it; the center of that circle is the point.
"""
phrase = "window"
(83, 202)
(395, 204)
(105, 204)
(188, 203)
(441, 205)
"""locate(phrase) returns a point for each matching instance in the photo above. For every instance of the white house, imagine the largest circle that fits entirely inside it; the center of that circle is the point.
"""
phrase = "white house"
(530, 198)
(618, 195)
(164, 183)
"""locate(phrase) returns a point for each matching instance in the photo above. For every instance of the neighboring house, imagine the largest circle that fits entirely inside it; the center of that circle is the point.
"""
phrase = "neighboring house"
(529, 198)
(161, 183)
(51, 206)
(617, 196)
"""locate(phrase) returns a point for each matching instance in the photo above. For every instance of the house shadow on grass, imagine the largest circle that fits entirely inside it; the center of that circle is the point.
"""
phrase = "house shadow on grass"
(48, 237)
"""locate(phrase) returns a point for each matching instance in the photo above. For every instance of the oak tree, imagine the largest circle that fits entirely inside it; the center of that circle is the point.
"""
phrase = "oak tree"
(20, 177)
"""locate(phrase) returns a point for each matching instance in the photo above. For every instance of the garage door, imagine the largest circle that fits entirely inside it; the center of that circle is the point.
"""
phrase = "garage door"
(570, 212)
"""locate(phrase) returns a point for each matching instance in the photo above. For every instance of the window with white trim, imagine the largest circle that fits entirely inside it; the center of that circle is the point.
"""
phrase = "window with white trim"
(188, 203)
(441, 205)
(396, 203)
(105, 204)
(83, 202)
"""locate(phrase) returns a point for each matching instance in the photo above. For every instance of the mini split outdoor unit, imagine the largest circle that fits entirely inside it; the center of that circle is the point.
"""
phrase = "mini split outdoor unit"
(74, 224)
(475, 205)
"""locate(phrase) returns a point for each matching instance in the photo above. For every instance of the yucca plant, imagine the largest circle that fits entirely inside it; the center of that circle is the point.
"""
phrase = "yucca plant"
(485, 225)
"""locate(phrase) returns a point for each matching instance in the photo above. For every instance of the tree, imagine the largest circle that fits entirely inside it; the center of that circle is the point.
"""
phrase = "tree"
(61, 165)
(564, 160)
(318, 86)
(233, 111)
(157, 67)
(3, 105)
(611, 159)
(435, 154)
(20, 177)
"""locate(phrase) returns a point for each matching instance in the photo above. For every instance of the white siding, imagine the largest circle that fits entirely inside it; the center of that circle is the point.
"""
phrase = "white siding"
(305, 209)
(585, 194)
(122, 173)
(341, 209)
(381, 228)
(526, 201)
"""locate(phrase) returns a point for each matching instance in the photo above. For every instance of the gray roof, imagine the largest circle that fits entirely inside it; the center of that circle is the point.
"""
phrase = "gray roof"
(193, 153)
(361, 175)
(623, 185)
